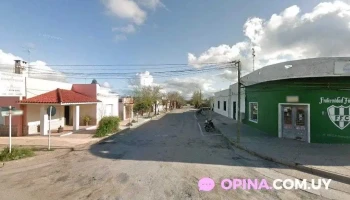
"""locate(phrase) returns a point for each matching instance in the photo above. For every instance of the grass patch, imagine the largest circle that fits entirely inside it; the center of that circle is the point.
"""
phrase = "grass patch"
(17, 153)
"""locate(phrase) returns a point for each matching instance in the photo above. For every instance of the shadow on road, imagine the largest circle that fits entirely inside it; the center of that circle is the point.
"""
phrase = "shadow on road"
(173, 138)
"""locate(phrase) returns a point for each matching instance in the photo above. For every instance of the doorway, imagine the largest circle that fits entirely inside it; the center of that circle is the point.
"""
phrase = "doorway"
(234, 110)
(294, 122)
(66, 114)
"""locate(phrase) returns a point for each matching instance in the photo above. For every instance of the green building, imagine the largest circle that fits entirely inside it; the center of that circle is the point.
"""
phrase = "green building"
(306, 100)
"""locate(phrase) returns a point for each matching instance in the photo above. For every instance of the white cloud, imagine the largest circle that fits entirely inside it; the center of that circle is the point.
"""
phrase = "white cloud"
(126, 9)
(286, 36)
(48, 36)
(119, 38)
(219, 54)
(153, 4)
(186, 86)
(106, 85)
(126, 29)
(7, 60)
(38, 69)
(130, 10)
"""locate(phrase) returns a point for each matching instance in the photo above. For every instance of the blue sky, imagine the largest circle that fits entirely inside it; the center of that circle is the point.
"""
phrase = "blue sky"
(80, 32)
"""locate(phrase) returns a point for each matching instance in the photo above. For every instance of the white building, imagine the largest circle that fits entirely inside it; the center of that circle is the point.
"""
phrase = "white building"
(226, 102)
(73, 102)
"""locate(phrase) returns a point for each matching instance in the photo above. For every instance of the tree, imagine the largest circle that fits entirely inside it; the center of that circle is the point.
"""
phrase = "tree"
(156, 96)
(196, 99)
(146, 97)
(176, 99)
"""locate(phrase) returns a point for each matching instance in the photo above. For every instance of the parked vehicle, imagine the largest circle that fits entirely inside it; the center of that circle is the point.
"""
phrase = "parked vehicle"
(209, 125)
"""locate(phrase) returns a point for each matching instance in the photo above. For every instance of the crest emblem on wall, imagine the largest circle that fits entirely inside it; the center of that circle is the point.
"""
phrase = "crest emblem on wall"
(339, 115)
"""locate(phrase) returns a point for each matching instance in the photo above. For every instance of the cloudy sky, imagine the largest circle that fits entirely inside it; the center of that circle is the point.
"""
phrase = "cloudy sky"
(101, 32)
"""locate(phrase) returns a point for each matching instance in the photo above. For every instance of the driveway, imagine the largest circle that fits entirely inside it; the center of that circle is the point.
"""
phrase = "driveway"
(162, 159)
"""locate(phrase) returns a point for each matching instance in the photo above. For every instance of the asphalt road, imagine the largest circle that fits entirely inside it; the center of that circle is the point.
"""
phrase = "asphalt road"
(163, 159)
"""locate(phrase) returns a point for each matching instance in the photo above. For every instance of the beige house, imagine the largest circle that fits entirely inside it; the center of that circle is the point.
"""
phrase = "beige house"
(67, 105)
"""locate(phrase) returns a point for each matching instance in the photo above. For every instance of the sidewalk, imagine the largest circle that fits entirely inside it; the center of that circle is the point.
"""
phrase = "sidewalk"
(329, 160)
(141, 120)
(75, 140)
(67, 142)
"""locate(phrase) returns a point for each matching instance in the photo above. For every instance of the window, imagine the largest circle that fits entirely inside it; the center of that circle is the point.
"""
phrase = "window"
(224, 105)
(2, 120)
(253, 112)
(218, 104)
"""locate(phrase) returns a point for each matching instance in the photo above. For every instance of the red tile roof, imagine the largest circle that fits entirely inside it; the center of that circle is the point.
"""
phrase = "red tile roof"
(60, 96)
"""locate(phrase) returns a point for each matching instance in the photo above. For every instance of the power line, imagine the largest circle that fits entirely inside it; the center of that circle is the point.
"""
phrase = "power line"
(49, 72)
(131, 73)
(133, 65)
(103, 69)
(182, 73)
(129, 65)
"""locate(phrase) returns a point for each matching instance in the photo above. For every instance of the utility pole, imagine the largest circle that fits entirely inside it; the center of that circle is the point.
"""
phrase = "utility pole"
(200, 97)
(239, 102)
(253, 54)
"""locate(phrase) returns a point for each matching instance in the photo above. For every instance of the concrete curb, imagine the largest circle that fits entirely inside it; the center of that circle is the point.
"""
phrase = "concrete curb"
(297, 166)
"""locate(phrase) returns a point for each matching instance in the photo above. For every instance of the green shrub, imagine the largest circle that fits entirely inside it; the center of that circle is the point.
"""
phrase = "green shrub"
(107, 125)
(16, 153)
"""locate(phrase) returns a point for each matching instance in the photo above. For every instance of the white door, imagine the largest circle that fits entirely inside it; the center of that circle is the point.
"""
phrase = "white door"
(109, 110)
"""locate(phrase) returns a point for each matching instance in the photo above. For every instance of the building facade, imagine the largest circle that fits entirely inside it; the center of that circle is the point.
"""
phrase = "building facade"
(226, 102)
(306, 100)
(73, 102)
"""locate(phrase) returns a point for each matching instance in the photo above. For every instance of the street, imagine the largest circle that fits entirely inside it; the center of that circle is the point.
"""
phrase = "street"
(162, 159)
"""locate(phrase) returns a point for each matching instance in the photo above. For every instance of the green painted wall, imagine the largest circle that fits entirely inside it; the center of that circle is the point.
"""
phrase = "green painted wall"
(310, 91)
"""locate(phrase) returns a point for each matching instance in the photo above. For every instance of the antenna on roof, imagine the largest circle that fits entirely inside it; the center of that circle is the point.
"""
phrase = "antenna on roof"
(28, 48)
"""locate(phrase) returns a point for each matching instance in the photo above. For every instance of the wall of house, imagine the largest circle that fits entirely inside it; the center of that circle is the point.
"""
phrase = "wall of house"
(33, 117)
(230, 95)
(39, 86)
(310, 91)
(88, 110)
(234, 98)
(86, 89)
(106, 101)
(121, 110)
(57, 120)
(16, 120)
(101, 110)
(221, 97)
